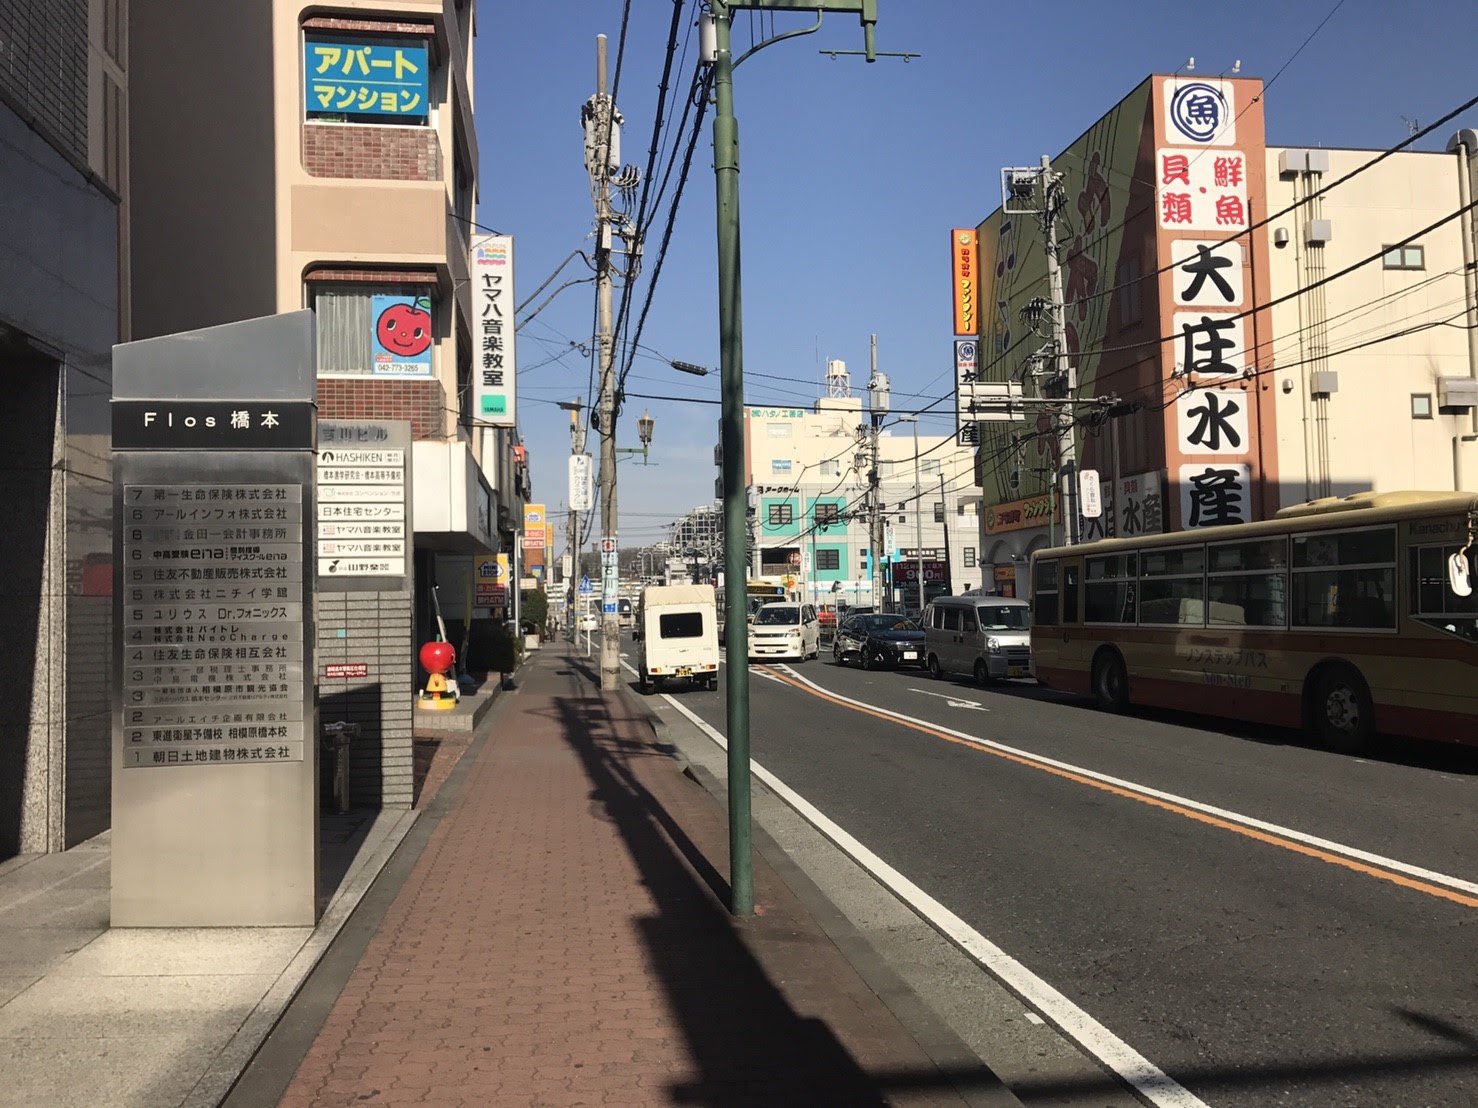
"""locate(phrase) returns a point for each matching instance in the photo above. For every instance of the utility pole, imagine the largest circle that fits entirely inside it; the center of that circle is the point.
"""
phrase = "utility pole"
(1039, 191)
(715, 48)
(944, 521)
(600, 119)
(1067, 451)
(877, 404)
(572, 533)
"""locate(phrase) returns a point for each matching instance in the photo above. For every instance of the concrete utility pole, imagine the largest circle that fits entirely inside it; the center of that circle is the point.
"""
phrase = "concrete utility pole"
(572, 533)
(715, 49)
(1067, 453)
(918, 507)
(1039, 191)
(877, 406)
(600, 118)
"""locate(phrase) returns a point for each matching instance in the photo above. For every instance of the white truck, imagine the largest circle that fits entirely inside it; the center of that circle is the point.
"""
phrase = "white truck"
(677, 635)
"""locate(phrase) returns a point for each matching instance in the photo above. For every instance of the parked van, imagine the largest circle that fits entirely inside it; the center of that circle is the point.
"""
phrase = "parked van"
(986, 637)
(676, 635)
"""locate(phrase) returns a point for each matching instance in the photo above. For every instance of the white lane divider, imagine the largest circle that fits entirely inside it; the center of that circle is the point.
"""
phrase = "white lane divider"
(1147, 1079)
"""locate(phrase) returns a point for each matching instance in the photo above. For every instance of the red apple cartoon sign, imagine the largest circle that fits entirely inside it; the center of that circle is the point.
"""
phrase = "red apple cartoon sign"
(402, 334)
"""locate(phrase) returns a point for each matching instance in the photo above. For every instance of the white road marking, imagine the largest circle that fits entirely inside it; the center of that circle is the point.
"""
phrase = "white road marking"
(1142, 1075)
(1032, 1017)
(954, 701)
(1444, 879)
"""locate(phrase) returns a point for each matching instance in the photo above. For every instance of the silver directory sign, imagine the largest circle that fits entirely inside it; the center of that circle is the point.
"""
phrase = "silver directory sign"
(215, 713)
(232, 646)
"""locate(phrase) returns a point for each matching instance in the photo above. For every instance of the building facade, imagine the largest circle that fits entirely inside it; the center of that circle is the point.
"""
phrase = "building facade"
(809, 478)
(294, 155)
(63, 188)
(1237, 341)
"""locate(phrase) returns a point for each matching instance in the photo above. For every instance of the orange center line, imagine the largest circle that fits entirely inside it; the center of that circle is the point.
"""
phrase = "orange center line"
(1154, 802)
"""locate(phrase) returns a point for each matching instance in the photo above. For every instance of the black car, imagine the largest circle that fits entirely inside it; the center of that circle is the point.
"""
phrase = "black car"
(878, 640)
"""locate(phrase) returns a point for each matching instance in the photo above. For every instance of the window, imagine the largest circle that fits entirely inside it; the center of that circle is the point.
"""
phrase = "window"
(969, 557)
(831, 467)
(1109, 592)
(827, 514)
(781, 515)
(939, 511)
(779, 430)
(1003, 617)
(887, 469)
(1172, 585)
(1404, 257)
(1421, 405)
(929, 467)
(960, 508)
(1345, 579)
(947, 619)
(366, 78)
(780, 465)
(968, 623)
(1070, 574)
(902, 517)
(1126, 285)
(680, 625)
(1044, 592)
(375, 330)
(1248, 584)
(1432, 601)
(828, 558)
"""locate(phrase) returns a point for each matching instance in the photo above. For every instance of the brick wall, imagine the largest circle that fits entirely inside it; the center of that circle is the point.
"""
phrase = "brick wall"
(422, 402)
(369, 153)
(43, 68)
(374, 628)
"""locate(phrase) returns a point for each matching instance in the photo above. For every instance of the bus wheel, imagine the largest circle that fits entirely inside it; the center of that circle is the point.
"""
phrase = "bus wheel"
(1343, 715)
(1110, 681)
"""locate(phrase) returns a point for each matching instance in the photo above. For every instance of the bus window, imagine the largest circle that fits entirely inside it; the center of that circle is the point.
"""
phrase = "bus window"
(1248, 583)
(1108, 591)
(1044, 594)
(1345, 579)
(1172, 585)
(1070, 574)
(1432, 602)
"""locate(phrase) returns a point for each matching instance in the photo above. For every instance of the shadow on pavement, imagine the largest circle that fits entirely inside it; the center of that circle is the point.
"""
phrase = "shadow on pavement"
(744, 1034)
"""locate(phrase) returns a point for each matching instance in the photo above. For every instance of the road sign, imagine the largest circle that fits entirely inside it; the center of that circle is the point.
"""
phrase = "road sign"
(608, 546)
(585, 586)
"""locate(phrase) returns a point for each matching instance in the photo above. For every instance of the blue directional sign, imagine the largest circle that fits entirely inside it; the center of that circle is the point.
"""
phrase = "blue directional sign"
(585, 585)
(608, 608)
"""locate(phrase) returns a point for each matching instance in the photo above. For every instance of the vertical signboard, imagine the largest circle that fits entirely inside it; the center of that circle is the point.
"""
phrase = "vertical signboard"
(967, 377)
(494, 369)
(532, 547)
(1208, 178)
(362, 533)
(582, 487)
(215, 773)
(964, 283)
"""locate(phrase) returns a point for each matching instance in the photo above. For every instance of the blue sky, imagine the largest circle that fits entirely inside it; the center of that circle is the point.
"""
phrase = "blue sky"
(852, 175)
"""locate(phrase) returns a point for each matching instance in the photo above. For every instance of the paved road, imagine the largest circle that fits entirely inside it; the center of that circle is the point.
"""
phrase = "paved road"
(1263, 921)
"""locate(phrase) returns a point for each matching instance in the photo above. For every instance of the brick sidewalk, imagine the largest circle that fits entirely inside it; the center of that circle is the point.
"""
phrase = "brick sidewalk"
(561, 942)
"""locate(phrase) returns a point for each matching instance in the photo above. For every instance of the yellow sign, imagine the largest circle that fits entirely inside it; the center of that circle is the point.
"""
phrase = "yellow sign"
(1018, 514)
(964, 267)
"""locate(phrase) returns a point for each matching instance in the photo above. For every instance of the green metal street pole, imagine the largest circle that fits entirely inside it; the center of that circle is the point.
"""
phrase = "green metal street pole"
(736, 530)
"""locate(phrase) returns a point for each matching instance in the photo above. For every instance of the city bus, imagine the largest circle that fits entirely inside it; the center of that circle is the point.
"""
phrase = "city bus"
(1349, 617)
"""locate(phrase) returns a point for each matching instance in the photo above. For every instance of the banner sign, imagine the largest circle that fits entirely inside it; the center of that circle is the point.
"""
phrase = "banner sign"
(494, 367)
(965, 283)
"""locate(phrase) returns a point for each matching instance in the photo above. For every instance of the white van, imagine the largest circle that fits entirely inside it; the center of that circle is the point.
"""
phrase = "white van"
(986, 637)
(785, 630)
(676, 635)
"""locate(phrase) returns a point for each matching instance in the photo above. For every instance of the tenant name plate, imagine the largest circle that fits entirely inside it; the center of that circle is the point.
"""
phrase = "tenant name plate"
(213, 670)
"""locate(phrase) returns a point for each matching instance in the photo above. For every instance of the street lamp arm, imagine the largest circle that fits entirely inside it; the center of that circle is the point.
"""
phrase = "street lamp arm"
(778, 38)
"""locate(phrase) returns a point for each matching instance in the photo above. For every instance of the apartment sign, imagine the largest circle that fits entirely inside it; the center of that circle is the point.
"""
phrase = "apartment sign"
(494, 368)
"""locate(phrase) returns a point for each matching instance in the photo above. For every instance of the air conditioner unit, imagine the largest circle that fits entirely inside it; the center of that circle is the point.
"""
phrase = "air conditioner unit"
(1457, 392)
